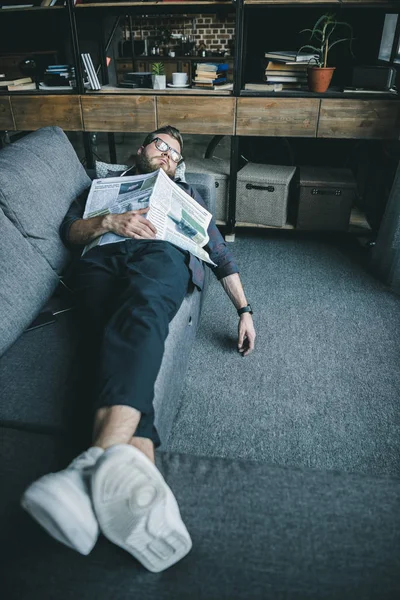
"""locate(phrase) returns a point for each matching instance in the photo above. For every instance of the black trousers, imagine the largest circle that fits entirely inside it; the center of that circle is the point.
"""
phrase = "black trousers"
(129, 292)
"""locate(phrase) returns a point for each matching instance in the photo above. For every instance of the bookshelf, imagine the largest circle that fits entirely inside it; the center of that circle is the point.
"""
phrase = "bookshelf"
(239, 114)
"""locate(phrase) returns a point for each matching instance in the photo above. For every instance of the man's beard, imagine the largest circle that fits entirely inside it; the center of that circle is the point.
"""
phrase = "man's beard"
(146, 165)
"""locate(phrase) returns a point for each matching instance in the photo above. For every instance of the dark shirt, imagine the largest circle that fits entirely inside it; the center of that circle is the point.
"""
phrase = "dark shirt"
(216, 247)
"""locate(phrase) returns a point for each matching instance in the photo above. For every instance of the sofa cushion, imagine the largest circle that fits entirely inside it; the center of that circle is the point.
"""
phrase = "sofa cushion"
(41, 378)
(104, 170)
(47, 376)
(259, 532)
(27, 281)
(40, 175)
(168, 388)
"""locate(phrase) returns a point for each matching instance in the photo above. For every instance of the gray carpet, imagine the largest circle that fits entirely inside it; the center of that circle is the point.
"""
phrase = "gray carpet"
(322, 389)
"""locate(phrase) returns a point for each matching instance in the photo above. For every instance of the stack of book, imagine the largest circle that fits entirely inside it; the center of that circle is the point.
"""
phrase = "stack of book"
(57, 76)
(288, 69)
(21, 84)
(211, 76)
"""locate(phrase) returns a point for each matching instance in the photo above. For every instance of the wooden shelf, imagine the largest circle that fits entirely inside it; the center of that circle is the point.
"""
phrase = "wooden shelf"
(275, 2)
(30, 8)
(110, 89)
(360, 3)
(144, 5)
(328, 94)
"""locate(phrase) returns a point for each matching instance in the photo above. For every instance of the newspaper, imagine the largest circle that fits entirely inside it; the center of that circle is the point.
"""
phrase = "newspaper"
(178, 218)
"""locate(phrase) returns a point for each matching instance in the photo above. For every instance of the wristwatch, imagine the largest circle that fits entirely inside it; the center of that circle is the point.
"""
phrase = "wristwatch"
(245, 309)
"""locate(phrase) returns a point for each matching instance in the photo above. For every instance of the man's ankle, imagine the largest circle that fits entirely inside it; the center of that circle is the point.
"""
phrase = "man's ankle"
(145, 445)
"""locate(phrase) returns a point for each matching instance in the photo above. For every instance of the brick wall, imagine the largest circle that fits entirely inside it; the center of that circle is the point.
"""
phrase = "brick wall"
(215, 31)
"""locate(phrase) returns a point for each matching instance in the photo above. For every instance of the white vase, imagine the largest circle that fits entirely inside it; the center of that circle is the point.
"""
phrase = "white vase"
(159, 82)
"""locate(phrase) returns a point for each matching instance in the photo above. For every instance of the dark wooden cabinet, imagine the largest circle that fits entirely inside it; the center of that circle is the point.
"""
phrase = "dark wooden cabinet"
(277, 116)
(123, 113)
(354, 118)
(33, 112)
(191, 114)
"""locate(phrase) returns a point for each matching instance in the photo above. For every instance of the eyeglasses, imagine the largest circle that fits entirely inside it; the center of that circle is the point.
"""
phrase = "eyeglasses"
(164, 147)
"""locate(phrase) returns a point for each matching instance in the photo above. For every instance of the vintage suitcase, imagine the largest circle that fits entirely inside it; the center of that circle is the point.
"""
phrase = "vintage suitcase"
(326, 198)
(219, 169)
(262, 194)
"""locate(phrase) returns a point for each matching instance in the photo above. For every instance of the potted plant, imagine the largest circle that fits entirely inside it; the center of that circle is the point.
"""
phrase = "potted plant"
(325, 35)
(158, 76)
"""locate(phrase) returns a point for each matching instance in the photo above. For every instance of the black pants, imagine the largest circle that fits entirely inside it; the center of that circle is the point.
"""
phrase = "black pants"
(129, 292)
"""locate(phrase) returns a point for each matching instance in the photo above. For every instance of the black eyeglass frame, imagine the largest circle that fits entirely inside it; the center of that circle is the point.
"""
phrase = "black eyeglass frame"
(168, 149)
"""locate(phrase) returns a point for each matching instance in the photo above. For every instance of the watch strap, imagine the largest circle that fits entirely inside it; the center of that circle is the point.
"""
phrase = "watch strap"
(245, 309)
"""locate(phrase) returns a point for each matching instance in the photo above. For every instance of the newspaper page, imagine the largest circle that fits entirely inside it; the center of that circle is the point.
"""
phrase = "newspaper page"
(178, 218)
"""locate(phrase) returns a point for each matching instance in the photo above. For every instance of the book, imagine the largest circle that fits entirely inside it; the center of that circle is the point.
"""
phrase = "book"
(285, 66)
(11, 82)
(285, 79)
(90, 71)
(210, 81)
(212, 66)
(273, 87)
(355, 90)
(290, 55)
(276, 73)
(209, 74)
(21, 88)
(264, 87)
(64, 88)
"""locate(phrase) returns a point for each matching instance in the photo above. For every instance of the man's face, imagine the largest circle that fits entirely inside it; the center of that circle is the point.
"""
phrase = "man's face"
(150, 159)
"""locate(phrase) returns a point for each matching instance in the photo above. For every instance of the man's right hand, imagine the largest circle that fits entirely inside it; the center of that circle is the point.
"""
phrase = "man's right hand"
(131, 224)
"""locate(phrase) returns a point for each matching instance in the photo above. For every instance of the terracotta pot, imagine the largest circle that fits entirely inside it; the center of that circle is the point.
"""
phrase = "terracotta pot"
(319, 78)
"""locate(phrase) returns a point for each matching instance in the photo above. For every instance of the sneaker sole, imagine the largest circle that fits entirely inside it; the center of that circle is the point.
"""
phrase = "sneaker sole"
(140, 515)
(63, 521)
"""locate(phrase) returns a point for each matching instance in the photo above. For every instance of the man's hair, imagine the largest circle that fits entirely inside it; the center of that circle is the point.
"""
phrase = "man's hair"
(169, 130)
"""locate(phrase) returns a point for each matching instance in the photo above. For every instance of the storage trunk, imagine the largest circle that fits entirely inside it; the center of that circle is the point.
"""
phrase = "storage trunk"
(220, 170)
(262, 194)
(326, 198)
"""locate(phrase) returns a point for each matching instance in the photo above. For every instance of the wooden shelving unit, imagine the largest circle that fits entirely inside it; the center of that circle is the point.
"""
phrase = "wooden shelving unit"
(238, 113)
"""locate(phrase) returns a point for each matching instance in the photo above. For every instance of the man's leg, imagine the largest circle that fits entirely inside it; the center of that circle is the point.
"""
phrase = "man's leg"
(135, 507)
(114, 425)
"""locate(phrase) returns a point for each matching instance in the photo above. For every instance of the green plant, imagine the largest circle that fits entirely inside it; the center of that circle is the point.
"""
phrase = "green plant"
(158, 68)
(324, 32)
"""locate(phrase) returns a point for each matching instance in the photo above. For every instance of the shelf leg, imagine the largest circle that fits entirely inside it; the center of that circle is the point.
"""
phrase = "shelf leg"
(112, 148)
(87, 143)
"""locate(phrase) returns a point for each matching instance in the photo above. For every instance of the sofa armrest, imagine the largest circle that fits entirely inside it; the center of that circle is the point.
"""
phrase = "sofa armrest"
(205, 185)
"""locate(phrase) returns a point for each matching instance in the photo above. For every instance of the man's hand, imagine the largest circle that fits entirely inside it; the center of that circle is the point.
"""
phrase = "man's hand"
(247, 334)
(131, 224)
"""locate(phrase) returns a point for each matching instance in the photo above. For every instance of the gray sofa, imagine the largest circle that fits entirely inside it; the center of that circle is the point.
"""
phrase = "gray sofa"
(259, 531)
(39, 177)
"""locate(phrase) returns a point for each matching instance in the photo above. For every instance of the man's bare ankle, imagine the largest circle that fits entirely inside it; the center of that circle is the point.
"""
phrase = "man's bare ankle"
(145, 445)
(114, 425)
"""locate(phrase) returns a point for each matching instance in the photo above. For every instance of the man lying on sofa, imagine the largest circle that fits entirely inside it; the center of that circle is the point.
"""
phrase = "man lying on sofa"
(130, 291)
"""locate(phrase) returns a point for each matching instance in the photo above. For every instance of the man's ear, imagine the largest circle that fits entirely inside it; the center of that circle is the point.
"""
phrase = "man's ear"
(140, 150)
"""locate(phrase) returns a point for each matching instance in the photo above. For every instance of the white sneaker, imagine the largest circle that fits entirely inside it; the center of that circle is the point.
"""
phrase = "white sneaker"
(136, 509)
(60, 502)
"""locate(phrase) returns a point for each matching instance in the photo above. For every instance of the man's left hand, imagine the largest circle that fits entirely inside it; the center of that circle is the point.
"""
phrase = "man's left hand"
(247, 334)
